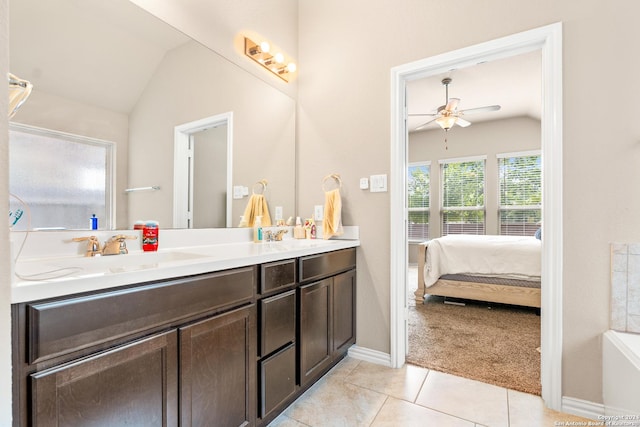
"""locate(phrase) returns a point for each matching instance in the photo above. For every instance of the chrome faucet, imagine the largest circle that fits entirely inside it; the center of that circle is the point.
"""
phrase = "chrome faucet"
(274, 235)
(116, 245)
(279, 234)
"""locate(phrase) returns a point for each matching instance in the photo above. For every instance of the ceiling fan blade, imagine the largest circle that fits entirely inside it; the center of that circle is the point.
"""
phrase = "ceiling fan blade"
(424, 125)
(462, 122)
(481, 109)
(452, 104)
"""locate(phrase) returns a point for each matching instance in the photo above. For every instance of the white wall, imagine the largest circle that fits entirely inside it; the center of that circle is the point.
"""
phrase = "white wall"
(346, 52)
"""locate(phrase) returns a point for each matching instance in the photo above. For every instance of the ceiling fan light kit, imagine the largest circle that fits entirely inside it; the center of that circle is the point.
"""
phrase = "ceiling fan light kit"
(448, 114)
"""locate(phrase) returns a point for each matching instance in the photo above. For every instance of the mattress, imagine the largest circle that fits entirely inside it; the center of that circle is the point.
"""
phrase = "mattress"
(508, 257)
(505, 281)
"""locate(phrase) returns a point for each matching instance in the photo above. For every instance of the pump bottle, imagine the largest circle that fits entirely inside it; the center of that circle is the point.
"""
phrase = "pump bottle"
(257, 230)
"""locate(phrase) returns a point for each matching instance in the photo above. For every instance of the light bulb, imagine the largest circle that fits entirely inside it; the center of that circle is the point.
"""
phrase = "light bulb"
(446, 122)
(279, 58)
(264, 47)
(291, 67)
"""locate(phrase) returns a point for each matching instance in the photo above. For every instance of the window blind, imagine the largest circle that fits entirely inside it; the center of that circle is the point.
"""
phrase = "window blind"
(462, 208)
(418, 200)
(520, 201)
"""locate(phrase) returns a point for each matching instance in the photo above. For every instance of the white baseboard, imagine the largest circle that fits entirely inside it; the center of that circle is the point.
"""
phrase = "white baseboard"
(368, 355)
(582, 408)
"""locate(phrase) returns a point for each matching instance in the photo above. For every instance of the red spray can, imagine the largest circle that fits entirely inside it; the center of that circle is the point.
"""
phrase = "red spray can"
(150, 231)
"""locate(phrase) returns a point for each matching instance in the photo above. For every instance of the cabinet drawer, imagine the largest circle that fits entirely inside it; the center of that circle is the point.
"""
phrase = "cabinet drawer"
(277, 321)
(67, 325)
(277, 379)
(277, 275)
(317, 266)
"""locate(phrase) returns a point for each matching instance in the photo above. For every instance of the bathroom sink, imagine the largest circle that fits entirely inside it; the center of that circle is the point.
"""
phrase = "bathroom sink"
(70, 267)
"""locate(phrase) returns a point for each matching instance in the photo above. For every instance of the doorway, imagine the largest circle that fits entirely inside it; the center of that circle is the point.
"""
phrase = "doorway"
(549, 41)
(202, 176)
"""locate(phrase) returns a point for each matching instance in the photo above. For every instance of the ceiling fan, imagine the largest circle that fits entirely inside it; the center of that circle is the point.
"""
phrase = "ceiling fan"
(448, 115)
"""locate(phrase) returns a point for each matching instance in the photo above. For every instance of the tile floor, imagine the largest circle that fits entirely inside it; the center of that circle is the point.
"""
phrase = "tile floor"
(358, 393)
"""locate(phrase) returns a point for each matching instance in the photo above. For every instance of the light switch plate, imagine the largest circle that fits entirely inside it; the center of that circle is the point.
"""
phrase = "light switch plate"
(378, 183)
(278, 213)
(364, 183)
(318, 212)
(237, 192)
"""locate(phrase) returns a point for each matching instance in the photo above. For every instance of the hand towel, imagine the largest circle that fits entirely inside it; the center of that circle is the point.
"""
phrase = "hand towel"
(332, 222)
(257, 206)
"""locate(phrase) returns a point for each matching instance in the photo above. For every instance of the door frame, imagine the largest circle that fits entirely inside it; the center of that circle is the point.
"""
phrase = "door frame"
(183, 168)
(548, 40)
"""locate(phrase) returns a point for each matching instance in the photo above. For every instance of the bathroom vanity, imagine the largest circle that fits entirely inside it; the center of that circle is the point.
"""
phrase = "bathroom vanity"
(221, 346)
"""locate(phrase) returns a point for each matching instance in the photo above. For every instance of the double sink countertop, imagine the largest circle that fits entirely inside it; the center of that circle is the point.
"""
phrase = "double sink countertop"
(37, 278)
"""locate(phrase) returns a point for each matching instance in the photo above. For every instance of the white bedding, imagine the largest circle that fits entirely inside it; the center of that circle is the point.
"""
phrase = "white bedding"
(511, 257)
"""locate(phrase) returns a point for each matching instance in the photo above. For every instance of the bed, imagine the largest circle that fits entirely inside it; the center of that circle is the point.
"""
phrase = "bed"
(501, 269)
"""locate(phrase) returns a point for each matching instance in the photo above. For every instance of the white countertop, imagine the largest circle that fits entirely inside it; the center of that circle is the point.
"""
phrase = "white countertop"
(76, 274)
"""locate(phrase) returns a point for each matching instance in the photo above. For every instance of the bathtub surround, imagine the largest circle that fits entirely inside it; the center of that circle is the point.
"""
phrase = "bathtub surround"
(625, 287)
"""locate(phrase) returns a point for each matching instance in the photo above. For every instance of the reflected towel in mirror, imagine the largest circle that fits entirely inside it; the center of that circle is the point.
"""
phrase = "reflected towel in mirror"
(257, 206)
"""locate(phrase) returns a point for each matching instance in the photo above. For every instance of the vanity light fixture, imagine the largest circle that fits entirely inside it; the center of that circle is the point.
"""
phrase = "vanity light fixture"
(276, 63)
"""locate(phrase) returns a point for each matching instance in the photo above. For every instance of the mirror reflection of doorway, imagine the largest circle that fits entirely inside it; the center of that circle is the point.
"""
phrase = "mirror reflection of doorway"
(202, 173)
(209, 166)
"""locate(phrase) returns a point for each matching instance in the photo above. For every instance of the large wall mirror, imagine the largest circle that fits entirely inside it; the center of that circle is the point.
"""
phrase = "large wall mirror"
(113, 72)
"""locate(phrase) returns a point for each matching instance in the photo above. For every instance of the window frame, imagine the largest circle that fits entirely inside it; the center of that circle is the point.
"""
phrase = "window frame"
(110, 166)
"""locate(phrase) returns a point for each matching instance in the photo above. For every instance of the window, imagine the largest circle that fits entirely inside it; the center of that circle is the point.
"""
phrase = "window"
(520, 193)
(418, 180)
(64, 179)
(462, 207)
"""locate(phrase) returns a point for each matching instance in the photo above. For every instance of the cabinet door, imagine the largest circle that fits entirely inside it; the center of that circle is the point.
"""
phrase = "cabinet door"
(344, 312)
(134, 384)
(315, 329)
(218, 370)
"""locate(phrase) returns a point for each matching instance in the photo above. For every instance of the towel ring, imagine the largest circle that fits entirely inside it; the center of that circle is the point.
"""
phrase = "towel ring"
(259, 187)
(333, 178)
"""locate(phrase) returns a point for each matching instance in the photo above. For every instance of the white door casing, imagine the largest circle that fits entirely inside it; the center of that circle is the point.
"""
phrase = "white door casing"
(548, 40)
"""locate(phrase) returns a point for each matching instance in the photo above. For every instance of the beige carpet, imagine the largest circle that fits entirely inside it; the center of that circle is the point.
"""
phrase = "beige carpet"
(494, 344)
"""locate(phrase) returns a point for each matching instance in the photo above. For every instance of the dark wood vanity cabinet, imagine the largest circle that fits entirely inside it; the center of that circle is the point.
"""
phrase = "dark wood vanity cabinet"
(228, 348)
(327, 311)
(179, 352)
